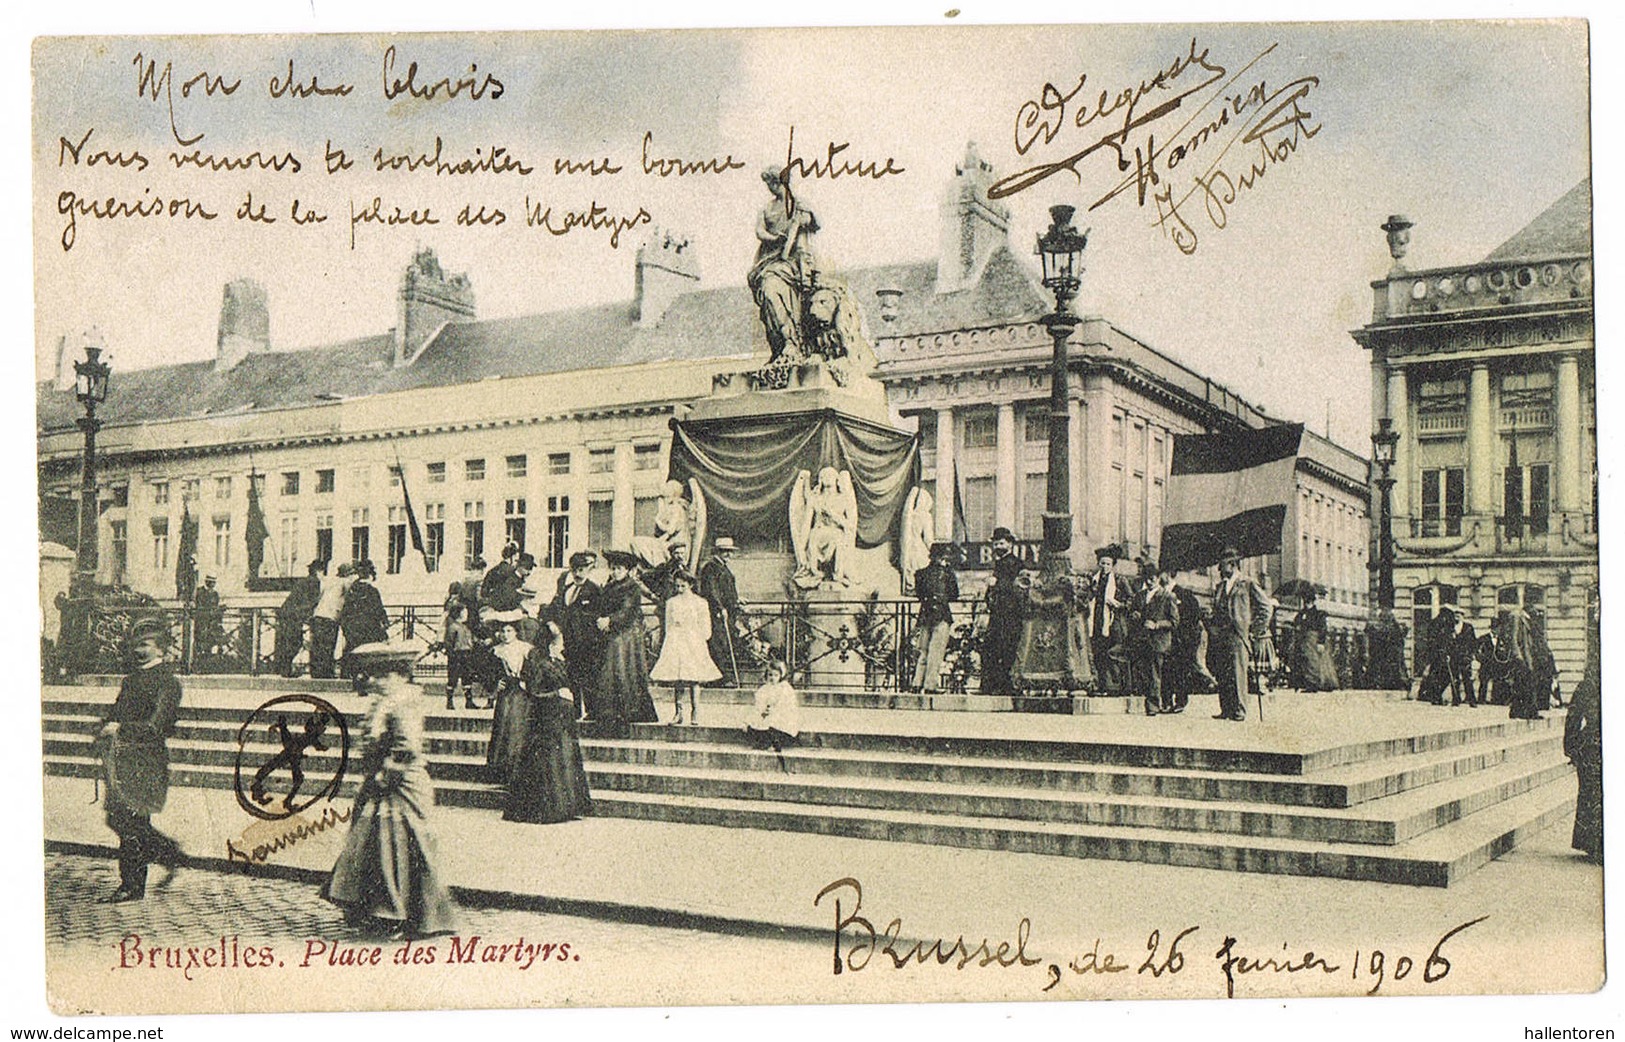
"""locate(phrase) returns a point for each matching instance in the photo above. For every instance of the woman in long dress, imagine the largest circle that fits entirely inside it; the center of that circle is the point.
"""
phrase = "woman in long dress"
(388, 878)
(548, 782)
(685, 655)
(1312, 661)
(510, 720)
(623, 678)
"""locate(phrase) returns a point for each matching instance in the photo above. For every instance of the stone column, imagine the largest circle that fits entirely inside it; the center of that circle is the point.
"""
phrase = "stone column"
(622, 513)
(1568, 422)
(1481, 484)
(1399, 411)
(1004, 480)
(945, 474)
(1099, 512)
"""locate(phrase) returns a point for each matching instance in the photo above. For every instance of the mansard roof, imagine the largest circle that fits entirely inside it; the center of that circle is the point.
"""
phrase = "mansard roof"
(1563, 229)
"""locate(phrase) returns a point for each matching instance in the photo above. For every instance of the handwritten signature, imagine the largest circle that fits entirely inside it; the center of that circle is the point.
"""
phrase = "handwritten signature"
(1236, 128)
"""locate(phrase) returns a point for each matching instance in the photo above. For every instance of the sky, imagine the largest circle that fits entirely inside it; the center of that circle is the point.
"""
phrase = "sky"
(1469, 129)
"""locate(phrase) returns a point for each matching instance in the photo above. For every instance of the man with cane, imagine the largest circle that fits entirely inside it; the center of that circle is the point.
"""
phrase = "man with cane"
(721, 592)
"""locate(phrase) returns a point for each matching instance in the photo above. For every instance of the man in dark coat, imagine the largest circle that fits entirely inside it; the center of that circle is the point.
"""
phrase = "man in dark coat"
(1158, 616)
(1582, 744)
(1003, 633)
(295, 612)
(363, 619)
(1437, 676)
(1463, 648)
(1240, 613)
(575, 609)
(1108, 601)
(937, 588)
(209, 625)
(721, 592)
(135, 757)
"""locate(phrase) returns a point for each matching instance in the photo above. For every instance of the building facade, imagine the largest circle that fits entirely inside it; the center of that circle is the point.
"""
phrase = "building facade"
(1486, 372)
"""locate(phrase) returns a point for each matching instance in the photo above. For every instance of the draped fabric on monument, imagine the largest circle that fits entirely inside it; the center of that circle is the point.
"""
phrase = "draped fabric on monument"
(747, 466)
(1228, 490)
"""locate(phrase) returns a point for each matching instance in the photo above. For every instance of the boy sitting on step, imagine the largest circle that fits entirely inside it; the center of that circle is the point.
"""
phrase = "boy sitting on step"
(777, 719)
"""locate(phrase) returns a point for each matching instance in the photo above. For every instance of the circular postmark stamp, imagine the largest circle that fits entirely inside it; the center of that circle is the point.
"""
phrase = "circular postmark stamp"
(271, 779)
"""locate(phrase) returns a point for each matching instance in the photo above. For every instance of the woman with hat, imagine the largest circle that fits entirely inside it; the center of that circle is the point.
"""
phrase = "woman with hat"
(388, 877)
(1004, 600)
(135, 759)
(685, 658)
(548, 780)
(1311, 661)
(623, 679)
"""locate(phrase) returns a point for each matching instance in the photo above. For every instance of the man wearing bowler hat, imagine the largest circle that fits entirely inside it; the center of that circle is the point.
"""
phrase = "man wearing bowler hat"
(575, 609)
(1003, 632)
(937, 588)
(721, 592)
(1240, 613)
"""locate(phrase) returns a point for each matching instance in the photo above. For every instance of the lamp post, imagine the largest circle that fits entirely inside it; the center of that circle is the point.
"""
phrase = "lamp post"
(1385, 637)
(1046, 658)
(90, 387)
(1061, 251)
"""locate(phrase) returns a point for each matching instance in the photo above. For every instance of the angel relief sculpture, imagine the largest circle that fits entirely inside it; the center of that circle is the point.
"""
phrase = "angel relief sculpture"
(823, 527)
(679, 527)
(919, 532)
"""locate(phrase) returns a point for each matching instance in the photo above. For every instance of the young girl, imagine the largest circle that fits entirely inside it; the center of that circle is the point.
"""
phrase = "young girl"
(777, 719)
(685, 656)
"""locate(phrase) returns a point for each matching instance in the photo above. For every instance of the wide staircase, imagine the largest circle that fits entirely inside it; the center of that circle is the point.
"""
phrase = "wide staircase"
(1418, 796)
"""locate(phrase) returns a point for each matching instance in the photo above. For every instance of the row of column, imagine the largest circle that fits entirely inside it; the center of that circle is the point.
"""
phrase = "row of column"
(1010, 469)
(1483, 489)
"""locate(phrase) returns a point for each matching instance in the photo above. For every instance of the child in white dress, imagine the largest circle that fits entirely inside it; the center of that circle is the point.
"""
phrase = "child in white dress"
(777, 720)
(685, 656)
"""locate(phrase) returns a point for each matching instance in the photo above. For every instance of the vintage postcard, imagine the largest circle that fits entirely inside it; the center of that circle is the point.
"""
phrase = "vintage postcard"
(812, 516)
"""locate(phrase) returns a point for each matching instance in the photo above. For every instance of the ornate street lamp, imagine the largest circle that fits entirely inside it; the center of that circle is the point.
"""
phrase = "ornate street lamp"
(90, 387)
(1046, 657)
(1061, 251)
(1385, 637)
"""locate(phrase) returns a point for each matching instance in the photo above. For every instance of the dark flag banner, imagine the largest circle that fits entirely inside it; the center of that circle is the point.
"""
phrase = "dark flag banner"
(255, 531)
(186, 557)
(412, 528)
(746, 467)
(1229, 490)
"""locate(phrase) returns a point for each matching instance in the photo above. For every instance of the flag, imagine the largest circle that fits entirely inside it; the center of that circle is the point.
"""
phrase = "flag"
(1229, 490)
(412, 528)
(186, 557)
(255, 532)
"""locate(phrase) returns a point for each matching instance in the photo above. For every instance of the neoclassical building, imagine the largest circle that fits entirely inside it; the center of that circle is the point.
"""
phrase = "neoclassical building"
(554, 429)
(1486, 372)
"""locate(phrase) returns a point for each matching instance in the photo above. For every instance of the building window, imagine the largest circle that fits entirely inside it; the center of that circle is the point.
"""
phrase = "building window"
(222, 488)
(121, 496)
(324, 537)
(979, 506)
(1035, 424)
(981, 430)
(290, 483)
(360, 534)
(474, 470)
(1159, 491)
(361, 481)
(1531, 388)
(395, 549)
(1443, 501)
(1034, 491)
(644, 509)
(513, 522)
(437, 473)
(191, 490)
(326, 481)
(160, 543)
(288, 544)
(396, 477)
(601, 461)
(558, 463)
(600, 522)
(434, 535)
(160, 493)
(517, 466)
(558, 531)
(645, 457)
(1134, 504)
(1526, 500)
(119, 550)
(222, 542)
(473, 533)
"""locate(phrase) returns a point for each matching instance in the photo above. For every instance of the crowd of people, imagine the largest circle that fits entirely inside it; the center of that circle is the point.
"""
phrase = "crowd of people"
(1513, 663)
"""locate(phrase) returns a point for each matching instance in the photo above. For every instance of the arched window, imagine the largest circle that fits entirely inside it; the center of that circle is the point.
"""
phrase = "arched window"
(1528, 596)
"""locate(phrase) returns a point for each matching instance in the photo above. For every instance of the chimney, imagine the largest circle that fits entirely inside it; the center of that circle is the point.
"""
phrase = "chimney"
(429, 299)
(668, 267)
(973, 226)
(245, 324)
